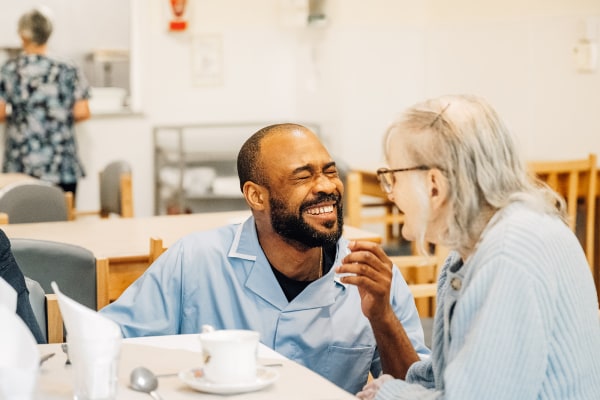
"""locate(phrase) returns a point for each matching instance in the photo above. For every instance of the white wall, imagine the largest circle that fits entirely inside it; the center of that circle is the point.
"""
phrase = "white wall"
(378, 59)
(353, 76)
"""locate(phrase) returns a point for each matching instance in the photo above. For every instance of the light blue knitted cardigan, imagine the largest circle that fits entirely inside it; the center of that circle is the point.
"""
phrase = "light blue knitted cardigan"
(519, 320)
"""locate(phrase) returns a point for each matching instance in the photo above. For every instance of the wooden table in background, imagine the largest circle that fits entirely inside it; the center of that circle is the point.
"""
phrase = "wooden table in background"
(125, 241)
(9, 178)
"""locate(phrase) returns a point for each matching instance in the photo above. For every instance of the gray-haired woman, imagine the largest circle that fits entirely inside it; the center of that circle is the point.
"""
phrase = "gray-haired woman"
(517, 312)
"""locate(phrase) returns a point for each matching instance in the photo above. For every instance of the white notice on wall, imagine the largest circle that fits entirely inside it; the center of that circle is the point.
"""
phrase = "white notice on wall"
(207, 60)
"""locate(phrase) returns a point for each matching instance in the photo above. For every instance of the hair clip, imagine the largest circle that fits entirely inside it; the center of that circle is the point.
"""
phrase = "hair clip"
(437, 117)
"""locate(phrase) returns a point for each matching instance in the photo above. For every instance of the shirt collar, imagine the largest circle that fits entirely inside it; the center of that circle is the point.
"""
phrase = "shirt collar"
(262, 282)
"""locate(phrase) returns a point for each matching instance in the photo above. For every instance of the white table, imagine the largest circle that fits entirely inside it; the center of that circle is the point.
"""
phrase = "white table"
(170, 354)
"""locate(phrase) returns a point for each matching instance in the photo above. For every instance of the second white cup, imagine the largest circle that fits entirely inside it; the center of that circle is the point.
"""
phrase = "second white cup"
(230, 355)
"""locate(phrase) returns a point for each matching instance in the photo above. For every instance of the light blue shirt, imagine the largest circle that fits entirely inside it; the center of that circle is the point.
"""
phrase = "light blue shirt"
(519, 320)
(222, 278)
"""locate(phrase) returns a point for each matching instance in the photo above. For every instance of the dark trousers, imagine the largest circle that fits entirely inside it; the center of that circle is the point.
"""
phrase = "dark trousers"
(69, 187)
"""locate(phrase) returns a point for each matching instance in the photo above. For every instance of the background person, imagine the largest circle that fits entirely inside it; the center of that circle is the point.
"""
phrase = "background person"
(517, 312)
(45, 97)
(274, 272)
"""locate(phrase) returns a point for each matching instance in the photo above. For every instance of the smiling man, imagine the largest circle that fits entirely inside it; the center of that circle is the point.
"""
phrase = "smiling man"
(275, 272)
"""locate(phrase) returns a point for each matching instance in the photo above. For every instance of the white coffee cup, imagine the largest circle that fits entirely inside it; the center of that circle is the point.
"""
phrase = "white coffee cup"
(230, 355)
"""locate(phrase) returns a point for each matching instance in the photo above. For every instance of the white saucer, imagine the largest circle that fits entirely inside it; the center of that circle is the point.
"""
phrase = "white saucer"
(264, 377)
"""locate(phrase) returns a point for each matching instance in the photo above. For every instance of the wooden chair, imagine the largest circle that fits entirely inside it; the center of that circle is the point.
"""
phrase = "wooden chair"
(156, 249)
(421, 273)
(33, 201)
(363, 193)
(46, 310)
(116, 192)
(76, 270)
(54, 320)
(575, 180)
(121, 276)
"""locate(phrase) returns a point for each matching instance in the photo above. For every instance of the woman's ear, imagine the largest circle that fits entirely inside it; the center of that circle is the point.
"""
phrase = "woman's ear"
(256, 195)
(437, 187)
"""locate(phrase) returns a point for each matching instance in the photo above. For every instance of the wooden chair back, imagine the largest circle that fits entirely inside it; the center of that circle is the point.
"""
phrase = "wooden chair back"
(54, 321)
(156, 249)
(116, 192)
(421, 274)
(120, 276)
(363, 194)
(576, 182)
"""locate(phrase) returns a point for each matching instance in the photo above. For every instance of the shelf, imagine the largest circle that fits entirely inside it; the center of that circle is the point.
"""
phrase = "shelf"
(195, 166)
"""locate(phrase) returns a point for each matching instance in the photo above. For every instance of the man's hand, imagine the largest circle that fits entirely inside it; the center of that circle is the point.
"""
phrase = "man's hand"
(370, 269)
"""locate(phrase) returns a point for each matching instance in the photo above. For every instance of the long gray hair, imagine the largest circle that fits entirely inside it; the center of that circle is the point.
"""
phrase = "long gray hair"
(464, 137)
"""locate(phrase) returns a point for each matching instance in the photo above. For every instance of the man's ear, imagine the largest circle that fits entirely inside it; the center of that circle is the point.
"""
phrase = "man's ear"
(437, 188)
(256, 195)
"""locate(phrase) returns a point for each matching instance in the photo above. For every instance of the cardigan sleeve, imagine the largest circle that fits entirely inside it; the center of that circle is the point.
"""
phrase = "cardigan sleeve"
(498, 348)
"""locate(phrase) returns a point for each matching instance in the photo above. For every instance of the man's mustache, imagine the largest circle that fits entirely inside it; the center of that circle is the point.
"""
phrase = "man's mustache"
(321, 198)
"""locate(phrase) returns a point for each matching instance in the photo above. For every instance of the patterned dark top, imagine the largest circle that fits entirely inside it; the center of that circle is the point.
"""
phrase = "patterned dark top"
(40, 138)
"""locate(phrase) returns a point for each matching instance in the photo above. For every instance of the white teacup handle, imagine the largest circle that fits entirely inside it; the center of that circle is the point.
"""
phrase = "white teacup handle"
(207, 328)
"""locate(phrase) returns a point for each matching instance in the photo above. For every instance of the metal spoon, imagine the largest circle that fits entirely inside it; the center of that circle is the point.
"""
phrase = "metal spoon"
(144, 380)
(65, 350)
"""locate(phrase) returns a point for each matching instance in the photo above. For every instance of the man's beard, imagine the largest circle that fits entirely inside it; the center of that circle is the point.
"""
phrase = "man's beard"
(294, 228)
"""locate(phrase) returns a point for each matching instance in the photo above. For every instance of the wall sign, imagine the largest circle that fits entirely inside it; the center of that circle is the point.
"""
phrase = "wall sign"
(207, 60)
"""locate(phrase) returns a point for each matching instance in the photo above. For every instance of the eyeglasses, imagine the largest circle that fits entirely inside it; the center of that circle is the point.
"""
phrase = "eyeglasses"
(386, 178)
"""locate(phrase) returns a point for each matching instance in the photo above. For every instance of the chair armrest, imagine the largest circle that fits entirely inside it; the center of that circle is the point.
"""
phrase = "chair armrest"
(55, 322)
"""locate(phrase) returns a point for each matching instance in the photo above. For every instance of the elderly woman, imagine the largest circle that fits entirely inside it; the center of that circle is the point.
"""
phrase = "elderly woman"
(46, 97)
(517, 312)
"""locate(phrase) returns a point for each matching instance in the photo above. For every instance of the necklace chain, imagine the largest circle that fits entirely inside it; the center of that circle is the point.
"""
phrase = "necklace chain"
(321, 263)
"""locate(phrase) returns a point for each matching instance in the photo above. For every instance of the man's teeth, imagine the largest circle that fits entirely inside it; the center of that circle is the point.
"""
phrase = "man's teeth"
(320, 210)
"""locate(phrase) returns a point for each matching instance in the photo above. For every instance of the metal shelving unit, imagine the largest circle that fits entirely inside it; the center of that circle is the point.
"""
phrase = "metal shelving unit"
(195, 166)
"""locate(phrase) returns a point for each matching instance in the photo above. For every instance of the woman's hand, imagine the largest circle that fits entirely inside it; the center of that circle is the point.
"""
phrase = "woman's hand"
(370, 390)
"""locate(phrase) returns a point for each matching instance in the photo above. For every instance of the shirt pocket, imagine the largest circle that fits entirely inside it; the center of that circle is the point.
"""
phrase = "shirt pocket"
(348, 367)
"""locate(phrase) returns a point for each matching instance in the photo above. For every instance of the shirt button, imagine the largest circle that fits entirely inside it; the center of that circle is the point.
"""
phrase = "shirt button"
(456, 283)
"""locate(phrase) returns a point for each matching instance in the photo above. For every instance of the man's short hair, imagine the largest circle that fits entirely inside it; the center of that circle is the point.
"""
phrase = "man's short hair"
(249, 164)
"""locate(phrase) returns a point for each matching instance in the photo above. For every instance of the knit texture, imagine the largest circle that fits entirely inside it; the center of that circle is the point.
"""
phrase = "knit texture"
(519, 320)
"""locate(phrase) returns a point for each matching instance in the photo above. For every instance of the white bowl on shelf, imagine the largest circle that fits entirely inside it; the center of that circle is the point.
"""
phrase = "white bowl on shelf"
(107, 99)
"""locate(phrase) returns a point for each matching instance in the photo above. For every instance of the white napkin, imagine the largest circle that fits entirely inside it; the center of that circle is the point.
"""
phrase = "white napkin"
(19, 356)
(8, 295)
(94, 343)
(82, 321)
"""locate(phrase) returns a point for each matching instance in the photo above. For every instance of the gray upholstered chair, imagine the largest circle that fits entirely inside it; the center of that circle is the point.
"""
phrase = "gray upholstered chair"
(76, 270)
(116, 192)
(46, 311)
(115, 189)
(33, 201)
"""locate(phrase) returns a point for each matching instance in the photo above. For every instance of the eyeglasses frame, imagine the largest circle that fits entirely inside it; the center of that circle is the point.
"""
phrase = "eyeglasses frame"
(383, 171)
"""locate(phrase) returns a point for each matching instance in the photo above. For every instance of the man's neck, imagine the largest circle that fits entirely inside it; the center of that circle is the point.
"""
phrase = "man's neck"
(295, 262)
(32, 48)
